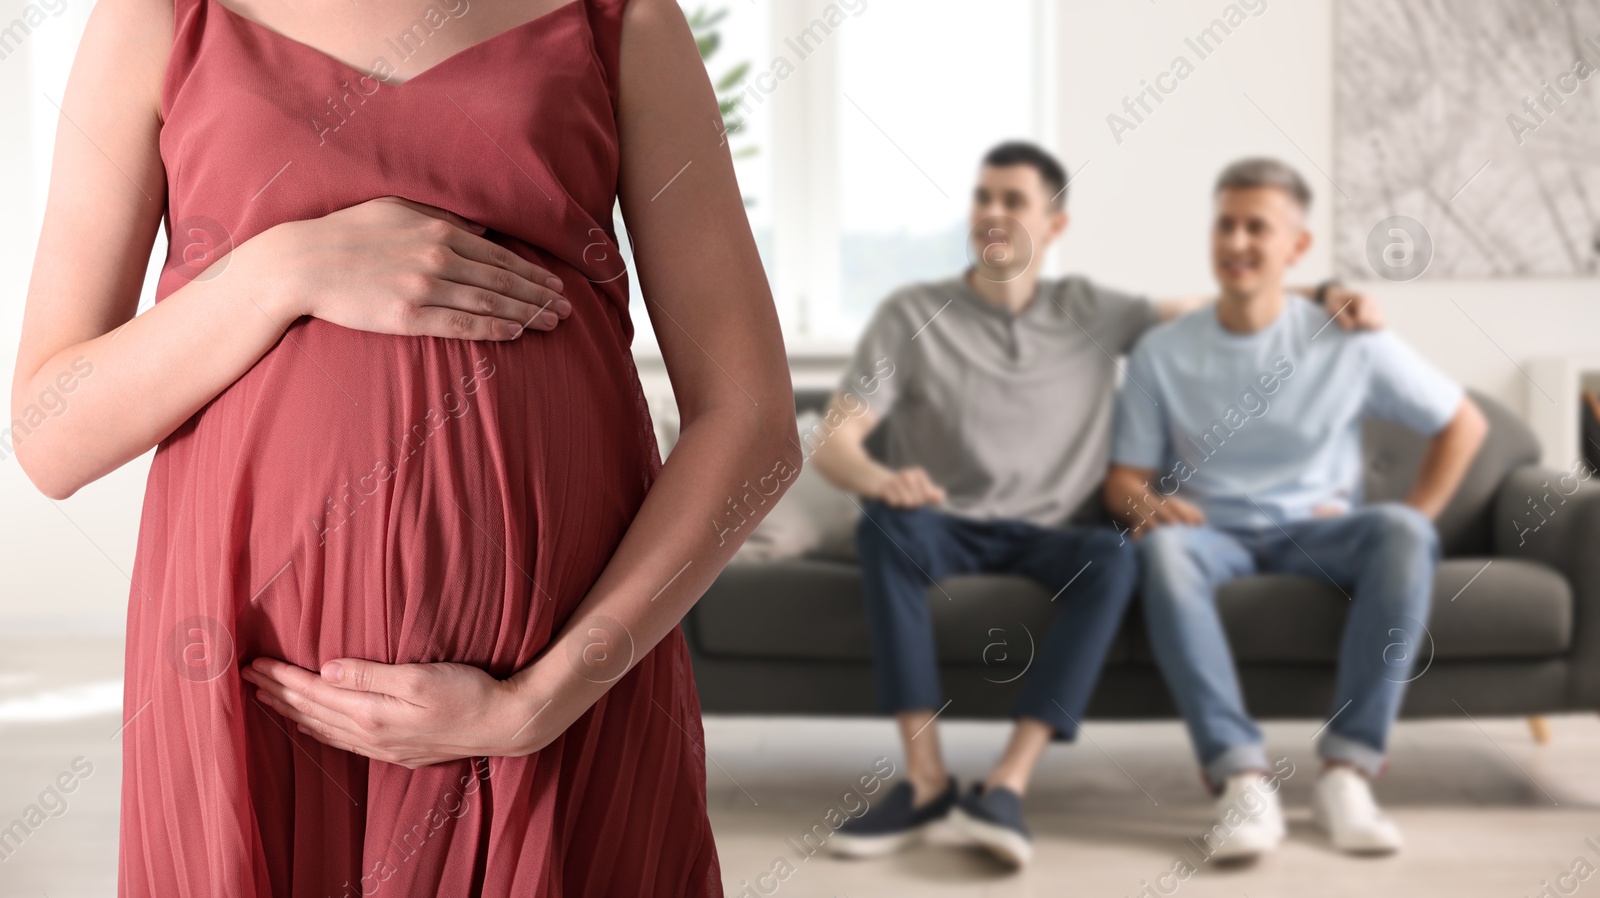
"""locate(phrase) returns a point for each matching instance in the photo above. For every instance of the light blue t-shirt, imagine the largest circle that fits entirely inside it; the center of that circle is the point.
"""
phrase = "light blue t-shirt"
(1247, 426)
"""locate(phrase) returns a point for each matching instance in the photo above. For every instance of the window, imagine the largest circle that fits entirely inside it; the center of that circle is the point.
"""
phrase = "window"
(920, 102)
(862, 125)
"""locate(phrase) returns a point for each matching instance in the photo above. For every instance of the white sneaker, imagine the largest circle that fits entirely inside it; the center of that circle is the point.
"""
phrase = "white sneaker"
(1249, 820)
(1342, 806)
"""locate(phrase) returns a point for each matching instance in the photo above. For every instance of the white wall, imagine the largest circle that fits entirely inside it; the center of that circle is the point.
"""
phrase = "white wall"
(18, 579)
(61, 563)
(1141, 209)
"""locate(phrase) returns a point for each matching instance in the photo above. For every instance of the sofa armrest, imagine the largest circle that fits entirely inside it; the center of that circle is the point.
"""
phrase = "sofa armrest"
(1553, 517)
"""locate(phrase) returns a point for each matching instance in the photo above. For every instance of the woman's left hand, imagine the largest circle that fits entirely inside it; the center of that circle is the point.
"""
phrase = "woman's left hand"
(407, 714)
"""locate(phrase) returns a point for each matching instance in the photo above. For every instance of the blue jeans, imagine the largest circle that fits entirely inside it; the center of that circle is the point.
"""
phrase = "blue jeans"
(1382, 556)
(1091, 571)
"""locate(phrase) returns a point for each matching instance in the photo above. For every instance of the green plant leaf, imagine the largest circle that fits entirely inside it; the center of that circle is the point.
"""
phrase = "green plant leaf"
(735, 75)
(703, 22)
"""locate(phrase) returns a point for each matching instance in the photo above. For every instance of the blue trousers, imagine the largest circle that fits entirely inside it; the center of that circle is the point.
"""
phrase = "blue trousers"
(1382, 556)
(1091, 572)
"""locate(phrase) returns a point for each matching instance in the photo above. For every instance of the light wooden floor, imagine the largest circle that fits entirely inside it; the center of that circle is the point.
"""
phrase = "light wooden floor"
(1487, 811)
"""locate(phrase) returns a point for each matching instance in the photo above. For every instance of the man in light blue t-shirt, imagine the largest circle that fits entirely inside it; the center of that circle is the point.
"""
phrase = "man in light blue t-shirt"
(1237, 450)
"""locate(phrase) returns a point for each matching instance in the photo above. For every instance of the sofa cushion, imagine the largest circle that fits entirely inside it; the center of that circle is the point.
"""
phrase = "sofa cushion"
(1512, 609)
(812, 609)
(812, 519)
(800, 608)
(809, 609)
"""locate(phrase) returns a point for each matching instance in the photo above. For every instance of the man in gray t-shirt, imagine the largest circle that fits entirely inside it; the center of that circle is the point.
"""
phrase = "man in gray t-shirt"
(1001, 387)
(1008, 412)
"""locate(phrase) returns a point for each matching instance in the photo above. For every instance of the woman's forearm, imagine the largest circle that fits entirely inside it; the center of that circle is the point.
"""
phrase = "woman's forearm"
(701, 275)
(727, 470)
(97, 404)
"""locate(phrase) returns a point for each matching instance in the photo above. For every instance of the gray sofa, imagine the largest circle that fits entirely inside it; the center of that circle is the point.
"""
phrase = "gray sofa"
(790, 637)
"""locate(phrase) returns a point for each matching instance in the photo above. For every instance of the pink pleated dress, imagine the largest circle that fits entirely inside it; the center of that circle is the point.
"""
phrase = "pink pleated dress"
(402, 499)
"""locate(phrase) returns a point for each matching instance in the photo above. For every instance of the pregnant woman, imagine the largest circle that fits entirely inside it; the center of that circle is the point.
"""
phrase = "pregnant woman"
(404, 612)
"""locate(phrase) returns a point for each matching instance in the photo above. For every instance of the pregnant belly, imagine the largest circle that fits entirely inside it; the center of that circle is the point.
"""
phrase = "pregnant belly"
(410, 499)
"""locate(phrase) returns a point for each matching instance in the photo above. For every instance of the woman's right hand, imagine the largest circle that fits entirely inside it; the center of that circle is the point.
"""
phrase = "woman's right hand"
(393, 266)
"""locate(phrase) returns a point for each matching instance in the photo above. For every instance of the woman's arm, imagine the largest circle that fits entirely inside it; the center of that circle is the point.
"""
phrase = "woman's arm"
(106, 198)
(94, 386)
(711, 307)
(713, 314)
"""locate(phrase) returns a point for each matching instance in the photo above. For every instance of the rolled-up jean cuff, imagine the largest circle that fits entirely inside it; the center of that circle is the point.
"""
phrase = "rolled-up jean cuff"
(1063, 728)
(1363, 757)
(1238, 759)
(901, 704)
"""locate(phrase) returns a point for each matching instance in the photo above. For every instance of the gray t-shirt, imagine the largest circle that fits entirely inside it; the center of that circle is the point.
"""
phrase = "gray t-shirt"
(1011, 414)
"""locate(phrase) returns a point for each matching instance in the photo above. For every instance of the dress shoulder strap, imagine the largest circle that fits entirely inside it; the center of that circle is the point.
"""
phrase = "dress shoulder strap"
(188, 25)
(605, 22)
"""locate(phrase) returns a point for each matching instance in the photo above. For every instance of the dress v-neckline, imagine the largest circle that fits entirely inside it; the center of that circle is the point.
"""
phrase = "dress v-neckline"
(443, 63)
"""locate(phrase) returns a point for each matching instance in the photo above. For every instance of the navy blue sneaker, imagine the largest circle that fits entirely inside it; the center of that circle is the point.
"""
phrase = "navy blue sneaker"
(892, 824)
(993, 819)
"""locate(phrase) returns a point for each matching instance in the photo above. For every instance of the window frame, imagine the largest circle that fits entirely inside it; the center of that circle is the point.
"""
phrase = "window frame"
(807, 235)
